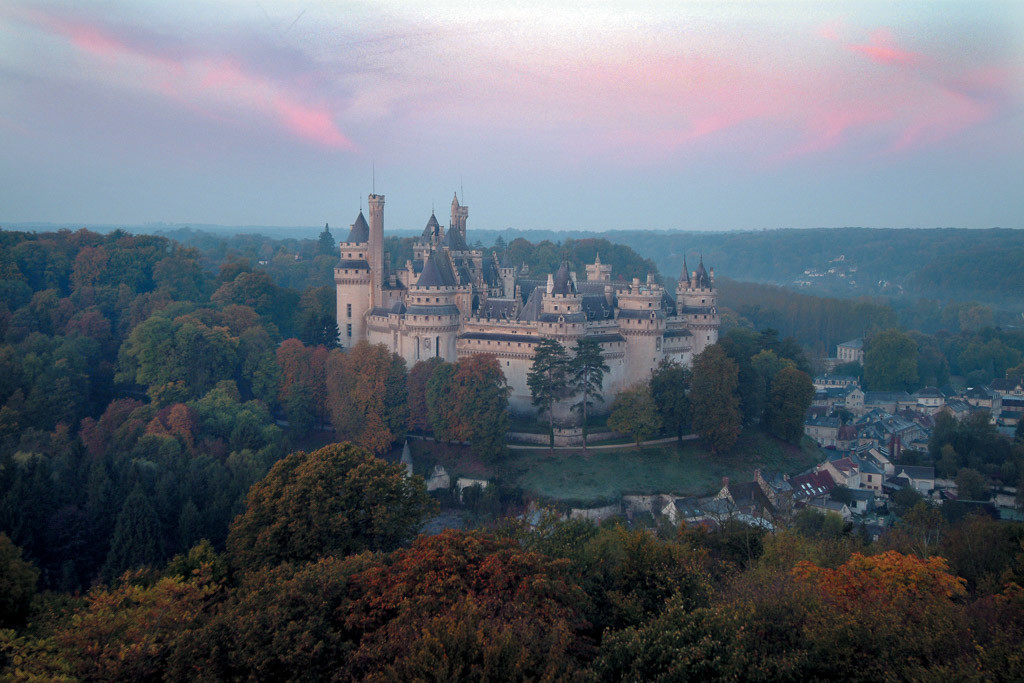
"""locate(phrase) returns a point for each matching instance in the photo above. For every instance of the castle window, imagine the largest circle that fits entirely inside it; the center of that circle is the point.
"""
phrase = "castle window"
(348, 329)
(348, 310)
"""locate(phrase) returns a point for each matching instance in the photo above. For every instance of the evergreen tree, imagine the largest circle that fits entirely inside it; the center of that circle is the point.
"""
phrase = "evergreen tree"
(669, 385)
(136, 540)
(548, 379)
(716, 411)
(586, 377)
(325, 244)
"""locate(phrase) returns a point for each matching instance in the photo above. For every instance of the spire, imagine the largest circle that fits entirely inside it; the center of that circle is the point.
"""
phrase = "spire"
(686, 271)
(597, 258)
(360, 231)
(563, 283)
(455, 199)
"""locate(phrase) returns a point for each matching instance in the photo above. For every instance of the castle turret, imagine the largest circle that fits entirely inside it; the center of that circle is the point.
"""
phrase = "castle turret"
(459, 215)
(598, 272)
(352, 280)
(697, 305)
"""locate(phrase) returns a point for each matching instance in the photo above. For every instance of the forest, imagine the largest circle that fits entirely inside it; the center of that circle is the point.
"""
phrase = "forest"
(168, 510)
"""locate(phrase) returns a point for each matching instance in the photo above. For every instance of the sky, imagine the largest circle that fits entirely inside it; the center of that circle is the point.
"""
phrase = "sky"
(692, 115)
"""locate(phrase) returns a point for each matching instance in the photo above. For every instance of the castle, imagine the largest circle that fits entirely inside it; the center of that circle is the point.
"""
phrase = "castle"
(452, 301)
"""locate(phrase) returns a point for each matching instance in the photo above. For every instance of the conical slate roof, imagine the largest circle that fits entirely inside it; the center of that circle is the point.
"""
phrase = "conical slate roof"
(702, 275)
(360, 231)
(454, 241)
(433, 227)
(686, 272)
(563, 283)
(435, 273)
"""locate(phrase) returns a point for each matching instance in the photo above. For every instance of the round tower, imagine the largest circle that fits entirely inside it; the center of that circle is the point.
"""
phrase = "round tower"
(697, 304)
(352, 282)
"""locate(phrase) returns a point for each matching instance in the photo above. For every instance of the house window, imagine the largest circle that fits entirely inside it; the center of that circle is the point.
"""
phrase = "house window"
(348, 329)
(348, 310)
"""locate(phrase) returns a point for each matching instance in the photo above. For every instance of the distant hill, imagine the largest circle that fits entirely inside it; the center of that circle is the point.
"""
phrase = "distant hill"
(939, 263)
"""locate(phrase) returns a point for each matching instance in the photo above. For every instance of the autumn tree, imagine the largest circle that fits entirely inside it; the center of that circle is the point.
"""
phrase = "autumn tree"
(791, 394)
(334, 501)
(302, 387)
(367, 395)
(669, 385)
(586, 377)
(716, 414)
(481, 401)
(548, 379)
(634, 413)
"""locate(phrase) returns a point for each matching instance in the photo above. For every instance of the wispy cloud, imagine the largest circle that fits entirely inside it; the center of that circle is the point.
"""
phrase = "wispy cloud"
(217, 87)
(882, 49)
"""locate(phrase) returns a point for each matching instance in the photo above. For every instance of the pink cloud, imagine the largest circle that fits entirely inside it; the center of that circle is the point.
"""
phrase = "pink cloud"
(311, 123)
(227, 84)
(883, 50)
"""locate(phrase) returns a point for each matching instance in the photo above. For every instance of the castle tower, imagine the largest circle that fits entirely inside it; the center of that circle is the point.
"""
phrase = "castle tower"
(642, 323)
(597, 272)
(376, 248)
(431, 318)
(352, 282)
(697, 304)
(459, 215)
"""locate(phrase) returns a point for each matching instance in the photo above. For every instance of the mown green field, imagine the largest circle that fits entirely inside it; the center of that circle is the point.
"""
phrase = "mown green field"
(605, 475)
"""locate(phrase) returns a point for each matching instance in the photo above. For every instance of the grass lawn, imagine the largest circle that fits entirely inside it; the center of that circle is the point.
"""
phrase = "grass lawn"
(605, 475)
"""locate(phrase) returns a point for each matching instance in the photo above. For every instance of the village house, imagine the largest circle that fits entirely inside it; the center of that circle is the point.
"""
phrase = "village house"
(929, 400)
(851, 351)
(1008, 387)
(824, 430)
(916, 476)
(844, 470)
(983, 397)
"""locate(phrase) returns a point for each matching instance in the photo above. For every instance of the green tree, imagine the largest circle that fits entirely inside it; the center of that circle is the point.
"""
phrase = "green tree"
(335, 501)
(634, 412)
(716, 412)
(669, 385)
(548, 379)
(481, 399)
(890, 362)
(136, 538)
(970, 485)
(442, 415)
(791, 395)
(419, 376)
(17, 583)
(586, 377)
